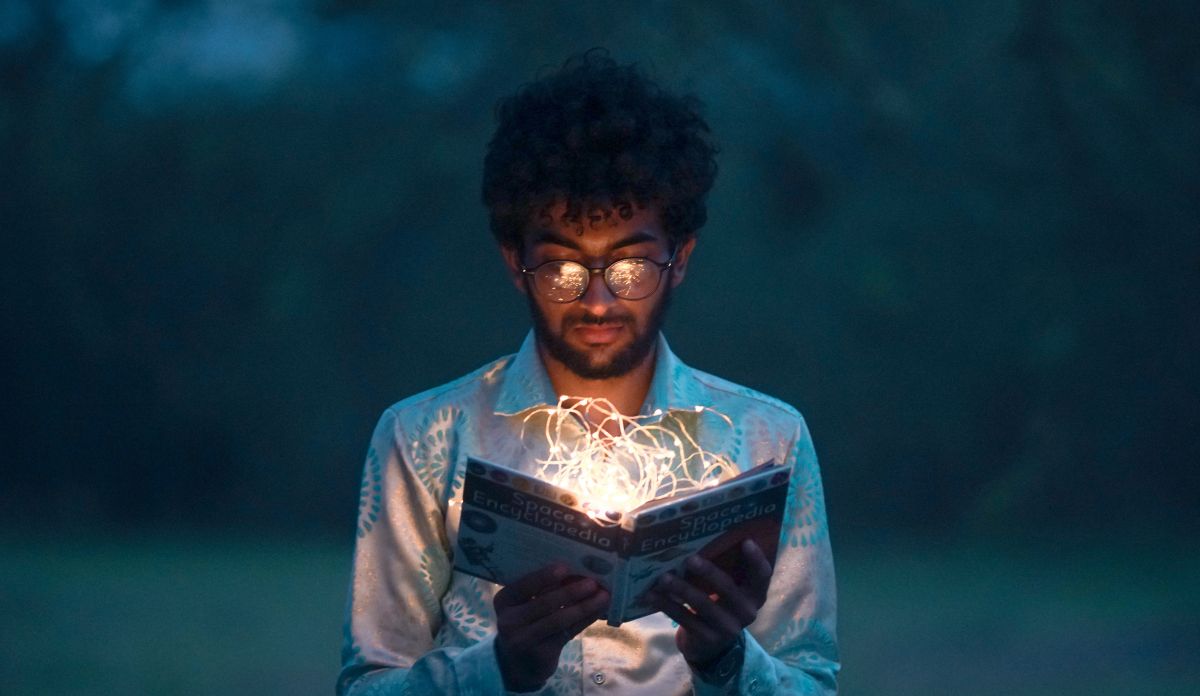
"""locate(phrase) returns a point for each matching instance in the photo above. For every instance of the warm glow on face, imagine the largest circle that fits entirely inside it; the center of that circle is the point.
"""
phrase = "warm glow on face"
(620, 462)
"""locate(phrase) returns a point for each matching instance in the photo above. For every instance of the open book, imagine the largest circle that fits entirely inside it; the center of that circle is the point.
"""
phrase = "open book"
(512, 524)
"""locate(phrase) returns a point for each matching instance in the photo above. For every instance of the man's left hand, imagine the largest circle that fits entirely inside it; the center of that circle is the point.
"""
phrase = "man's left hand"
(709, 624)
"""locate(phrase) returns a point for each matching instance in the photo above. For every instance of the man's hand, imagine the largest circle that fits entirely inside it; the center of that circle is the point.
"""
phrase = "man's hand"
(714, 621)
(535, 617)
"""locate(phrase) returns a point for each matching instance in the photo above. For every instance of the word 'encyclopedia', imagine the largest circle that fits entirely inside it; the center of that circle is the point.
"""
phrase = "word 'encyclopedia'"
(561, 521)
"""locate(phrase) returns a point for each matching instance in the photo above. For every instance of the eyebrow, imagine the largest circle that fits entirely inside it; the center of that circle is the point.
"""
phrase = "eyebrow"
(552, 237)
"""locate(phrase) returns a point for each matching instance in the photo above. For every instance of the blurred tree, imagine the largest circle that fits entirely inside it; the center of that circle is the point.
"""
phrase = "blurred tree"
(963, 240)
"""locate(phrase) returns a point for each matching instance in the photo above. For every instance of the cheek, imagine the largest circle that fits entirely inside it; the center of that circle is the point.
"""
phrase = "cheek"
(551, 313)
(648, 307)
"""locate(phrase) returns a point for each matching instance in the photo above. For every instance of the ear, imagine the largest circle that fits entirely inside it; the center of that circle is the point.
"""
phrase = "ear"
(679, 268)
(512, 261)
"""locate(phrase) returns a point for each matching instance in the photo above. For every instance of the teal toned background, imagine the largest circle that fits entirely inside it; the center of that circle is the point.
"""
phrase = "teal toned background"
(963, 238)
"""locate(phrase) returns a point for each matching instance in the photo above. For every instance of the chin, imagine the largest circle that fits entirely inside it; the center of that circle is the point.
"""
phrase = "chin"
(614, 361)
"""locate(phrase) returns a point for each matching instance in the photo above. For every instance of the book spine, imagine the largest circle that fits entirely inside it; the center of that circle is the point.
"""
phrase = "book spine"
(620, 588)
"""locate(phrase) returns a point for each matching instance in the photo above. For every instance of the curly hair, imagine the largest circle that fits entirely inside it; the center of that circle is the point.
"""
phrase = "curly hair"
(601, 138)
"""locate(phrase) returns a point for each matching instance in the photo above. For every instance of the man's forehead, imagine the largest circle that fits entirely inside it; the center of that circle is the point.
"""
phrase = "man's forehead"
(595, 241)
(599, 225)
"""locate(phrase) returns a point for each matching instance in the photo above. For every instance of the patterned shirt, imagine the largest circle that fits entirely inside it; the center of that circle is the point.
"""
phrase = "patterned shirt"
(416, 626)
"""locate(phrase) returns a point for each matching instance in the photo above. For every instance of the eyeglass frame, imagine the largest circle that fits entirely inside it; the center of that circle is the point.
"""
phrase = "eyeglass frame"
(603, 270)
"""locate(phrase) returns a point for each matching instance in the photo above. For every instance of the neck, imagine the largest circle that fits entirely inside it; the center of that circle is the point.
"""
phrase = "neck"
(627, 393)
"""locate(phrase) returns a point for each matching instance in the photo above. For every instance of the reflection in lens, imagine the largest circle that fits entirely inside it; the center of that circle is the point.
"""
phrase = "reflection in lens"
(631, 279)
(562, 281)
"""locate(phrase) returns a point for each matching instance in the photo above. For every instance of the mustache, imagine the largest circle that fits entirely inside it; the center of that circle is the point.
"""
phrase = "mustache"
(590, 319)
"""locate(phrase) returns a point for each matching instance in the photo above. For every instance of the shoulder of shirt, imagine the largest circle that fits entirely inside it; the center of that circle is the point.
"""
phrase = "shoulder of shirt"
(455, 391)
(749, 397)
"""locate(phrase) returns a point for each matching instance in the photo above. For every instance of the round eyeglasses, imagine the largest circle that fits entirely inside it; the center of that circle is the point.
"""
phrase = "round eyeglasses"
(634, 278)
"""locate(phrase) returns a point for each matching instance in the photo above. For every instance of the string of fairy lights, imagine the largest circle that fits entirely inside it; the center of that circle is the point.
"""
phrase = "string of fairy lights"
(614, 462)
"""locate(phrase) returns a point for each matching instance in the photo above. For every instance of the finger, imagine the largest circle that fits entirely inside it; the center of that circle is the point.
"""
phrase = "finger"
(546, 623)
(693, 624)
(760, 569)
(712, 613)
(563, 624)
(658, 597)
(670, 586)
(561, 598)
(529, 586)
(534, 610)
(599, 602)
(732, 597)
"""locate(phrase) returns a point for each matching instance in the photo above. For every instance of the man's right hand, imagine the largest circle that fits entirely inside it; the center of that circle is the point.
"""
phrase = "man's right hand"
(536, 616)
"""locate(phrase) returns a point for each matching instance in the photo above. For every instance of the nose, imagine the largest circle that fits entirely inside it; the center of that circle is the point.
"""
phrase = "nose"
(597, 298)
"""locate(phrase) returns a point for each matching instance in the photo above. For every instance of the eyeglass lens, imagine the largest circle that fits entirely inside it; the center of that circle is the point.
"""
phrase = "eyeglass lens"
(629, 279)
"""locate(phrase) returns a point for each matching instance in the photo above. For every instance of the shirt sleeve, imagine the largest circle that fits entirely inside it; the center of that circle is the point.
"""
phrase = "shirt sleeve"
(791, 648)
(401, 570)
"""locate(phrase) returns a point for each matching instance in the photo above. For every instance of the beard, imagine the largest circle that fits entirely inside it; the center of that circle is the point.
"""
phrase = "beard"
(582, 363)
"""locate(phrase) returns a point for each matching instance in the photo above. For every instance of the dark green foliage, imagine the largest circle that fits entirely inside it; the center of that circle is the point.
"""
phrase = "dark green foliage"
(963, 239)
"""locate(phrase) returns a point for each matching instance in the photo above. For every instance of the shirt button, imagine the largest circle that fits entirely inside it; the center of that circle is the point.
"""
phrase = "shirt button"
(598, 677)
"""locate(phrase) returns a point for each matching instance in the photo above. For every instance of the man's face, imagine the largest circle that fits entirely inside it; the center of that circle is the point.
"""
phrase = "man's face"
(598, 336)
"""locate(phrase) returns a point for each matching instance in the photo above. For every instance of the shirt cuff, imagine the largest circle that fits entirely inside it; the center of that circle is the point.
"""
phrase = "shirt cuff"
(754, 677)
(477, 667)
(758, 669)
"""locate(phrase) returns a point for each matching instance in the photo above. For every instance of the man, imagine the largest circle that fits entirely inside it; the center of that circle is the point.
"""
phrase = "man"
(595, 182)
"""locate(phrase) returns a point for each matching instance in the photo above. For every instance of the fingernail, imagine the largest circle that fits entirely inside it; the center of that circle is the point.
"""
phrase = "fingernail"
(695, 563)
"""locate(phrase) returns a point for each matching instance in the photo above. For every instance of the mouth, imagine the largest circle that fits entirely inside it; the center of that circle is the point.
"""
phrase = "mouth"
(598, 334)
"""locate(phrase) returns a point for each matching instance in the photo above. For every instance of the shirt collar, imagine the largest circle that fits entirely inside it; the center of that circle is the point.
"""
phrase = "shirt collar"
(526, 385)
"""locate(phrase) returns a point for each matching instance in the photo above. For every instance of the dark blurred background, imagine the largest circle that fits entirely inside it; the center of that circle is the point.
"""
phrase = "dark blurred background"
(963, 238)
